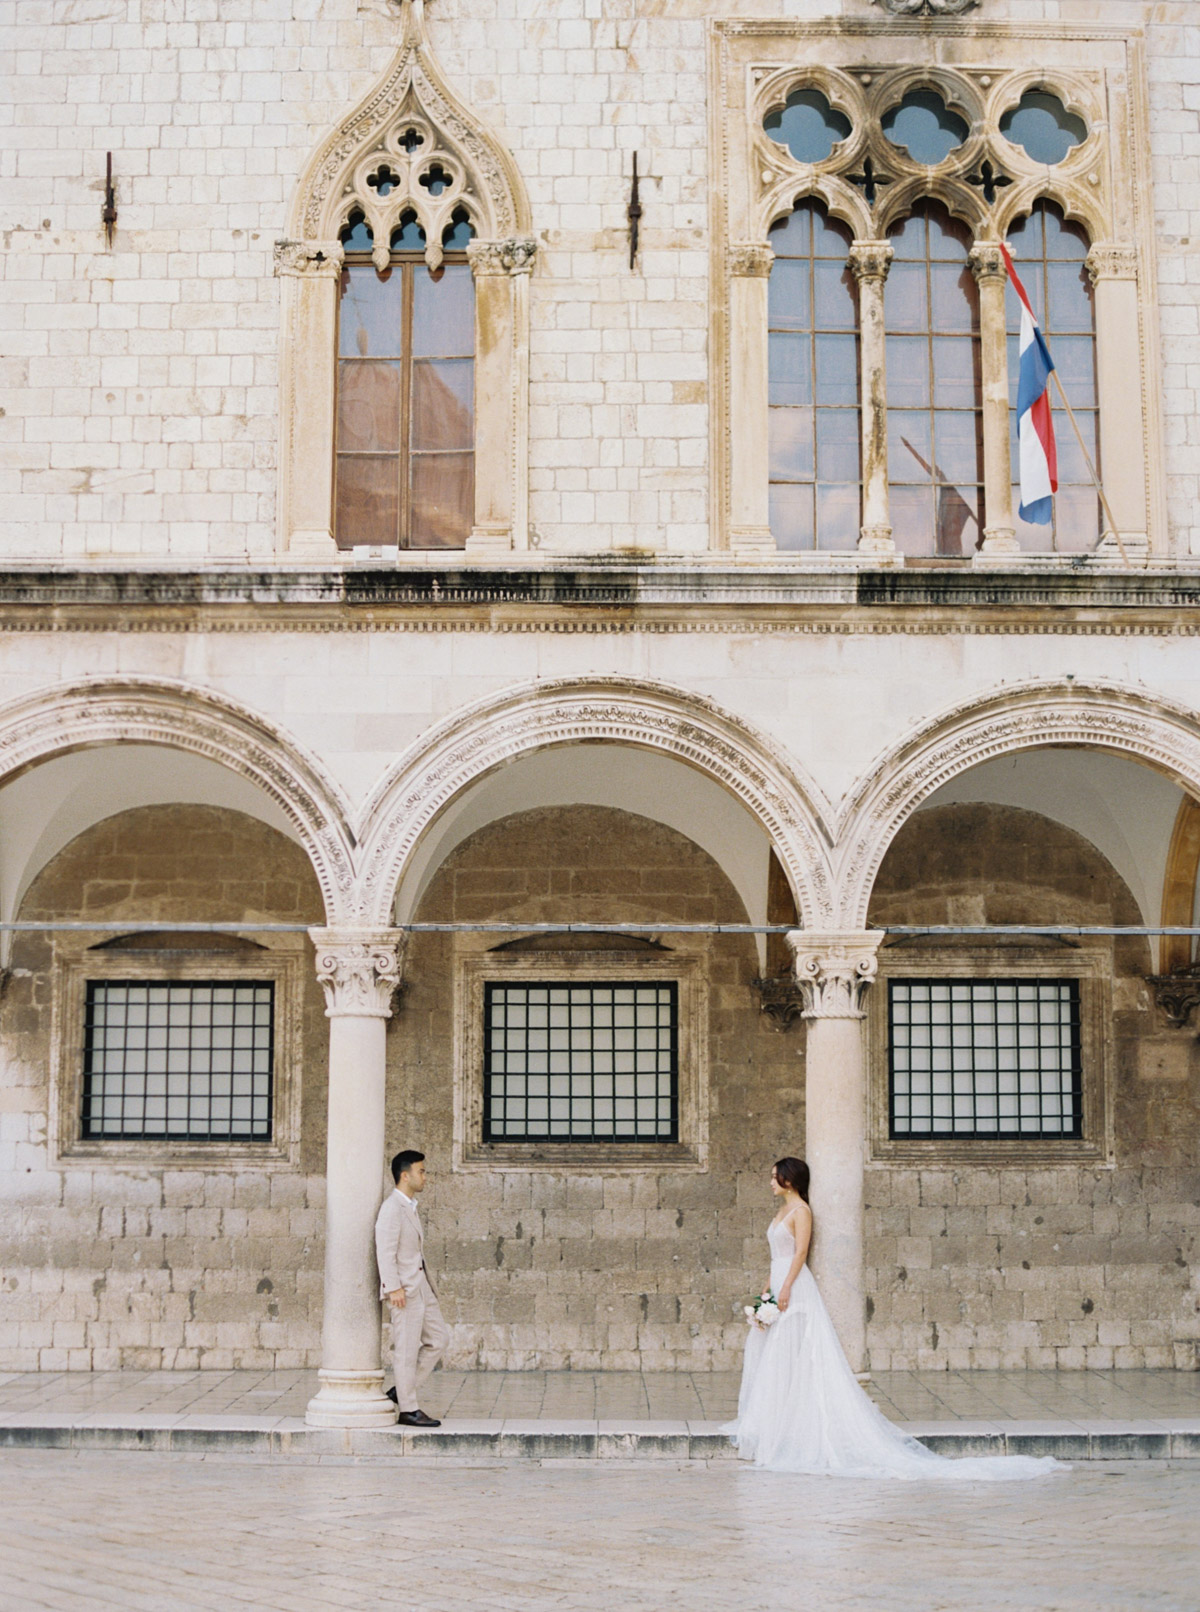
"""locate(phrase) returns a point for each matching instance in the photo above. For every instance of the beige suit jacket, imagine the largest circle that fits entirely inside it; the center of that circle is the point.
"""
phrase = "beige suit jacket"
(399, 1245)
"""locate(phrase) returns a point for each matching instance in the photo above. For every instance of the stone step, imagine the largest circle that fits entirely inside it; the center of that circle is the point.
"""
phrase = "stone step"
(511, 1440)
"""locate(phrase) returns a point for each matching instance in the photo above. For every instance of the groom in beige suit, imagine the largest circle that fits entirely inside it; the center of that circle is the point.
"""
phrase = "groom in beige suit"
(419, 1335)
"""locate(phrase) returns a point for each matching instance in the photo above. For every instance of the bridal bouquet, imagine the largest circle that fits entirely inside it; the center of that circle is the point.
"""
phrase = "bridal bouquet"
(762, 1312)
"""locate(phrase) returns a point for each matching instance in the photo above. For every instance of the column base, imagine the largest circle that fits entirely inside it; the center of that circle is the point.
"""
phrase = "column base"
(876, 541)
(489, 540)
(350, 1399)
(999, 540)
(312, 545)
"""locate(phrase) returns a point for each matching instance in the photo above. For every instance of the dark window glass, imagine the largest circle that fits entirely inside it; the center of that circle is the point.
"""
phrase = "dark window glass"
(1041, 124)
(994, 1058)
(186, 1062)
(580, 1063)
(1048, 252)
(935, 426)
(807, 125)
(406, 393)
(925, 126)
(814, 446)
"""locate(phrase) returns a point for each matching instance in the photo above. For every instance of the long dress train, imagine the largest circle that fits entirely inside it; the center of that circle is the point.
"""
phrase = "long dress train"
(802, 1410)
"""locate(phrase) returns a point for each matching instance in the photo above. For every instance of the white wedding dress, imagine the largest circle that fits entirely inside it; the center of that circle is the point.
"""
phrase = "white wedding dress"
(801, 1409)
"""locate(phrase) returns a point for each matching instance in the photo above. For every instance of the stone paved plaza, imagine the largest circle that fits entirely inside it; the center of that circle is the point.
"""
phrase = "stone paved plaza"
(94, 1530)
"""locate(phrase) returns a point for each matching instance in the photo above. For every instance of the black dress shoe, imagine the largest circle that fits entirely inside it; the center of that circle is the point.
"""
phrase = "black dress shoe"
(417, 1418)
(391, 1394)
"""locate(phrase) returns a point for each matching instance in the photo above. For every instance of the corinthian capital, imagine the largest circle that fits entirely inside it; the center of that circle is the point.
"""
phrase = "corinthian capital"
(514, 256)
(835, 969)
(750, 260)
(359, 970)
(987, 261)
(870, 260)
(1109, 261)
(309, 260)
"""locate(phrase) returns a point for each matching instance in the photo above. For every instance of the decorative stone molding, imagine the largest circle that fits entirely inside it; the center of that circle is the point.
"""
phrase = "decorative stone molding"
(835, 970)
(871, 260)
(781, 998)
(619, 711)
(359, 970)
(747, 259)
(1095, 717)
(1177, 994)
(987, 262)
(316, 260)
(926, 8)
(179, 716)
(514, 256)
(1107, 261)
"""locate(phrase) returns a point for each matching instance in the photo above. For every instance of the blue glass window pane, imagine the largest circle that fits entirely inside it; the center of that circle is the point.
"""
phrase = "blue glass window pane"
(458, 234)
(1041, 124)
(356, 235)
(956, 380)
(792, 236)
(788, 300)
(837, 446)
(838, 516)
(837, 369)
(925, 126)
(833, 285)
(790, 436)
(790, 369)
(908, 371)
(371, 321)
(791, 514)
(410, 237)
(807, 125)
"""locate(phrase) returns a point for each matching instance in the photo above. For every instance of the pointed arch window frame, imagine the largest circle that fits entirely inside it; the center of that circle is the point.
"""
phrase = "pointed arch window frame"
(412, 122)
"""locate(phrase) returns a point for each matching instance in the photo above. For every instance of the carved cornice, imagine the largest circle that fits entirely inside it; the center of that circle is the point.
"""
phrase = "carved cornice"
(835, 970)
(309, 260)
(926, 8)
(748, 260)
(359, 970)
(1107, 261)
(870, 260)
(514, 256)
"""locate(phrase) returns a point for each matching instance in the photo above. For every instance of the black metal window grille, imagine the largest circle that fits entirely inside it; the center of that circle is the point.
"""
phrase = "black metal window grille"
(988, 1057)
(188, 1062)
(581, 1063)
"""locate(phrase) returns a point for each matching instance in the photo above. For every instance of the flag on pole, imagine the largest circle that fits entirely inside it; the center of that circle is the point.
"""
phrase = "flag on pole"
(1035, 430)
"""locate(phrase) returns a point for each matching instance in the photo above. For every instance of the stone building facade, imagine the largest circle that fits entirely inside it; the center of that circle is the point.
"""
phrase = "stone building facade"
(417, 535)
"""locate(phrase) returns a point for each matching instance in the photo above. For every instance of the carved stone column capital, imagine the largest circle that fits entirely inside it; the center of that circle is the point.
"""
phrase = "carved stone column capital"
(835, 969)
(513, 256)
(749, 260)
(870, 260)
(359, 970)
(987, 261)
(309, 260)
(1108, 261)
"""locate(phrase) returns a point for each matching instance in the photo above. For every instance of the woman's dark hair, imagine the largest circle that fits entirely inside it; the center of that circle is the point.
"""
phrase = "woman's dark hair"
(793, 1174)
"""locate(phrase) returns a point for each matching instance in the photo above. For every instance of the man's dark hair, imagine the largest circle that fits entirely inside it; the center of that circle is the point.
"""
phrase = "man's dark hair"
(405, 1160)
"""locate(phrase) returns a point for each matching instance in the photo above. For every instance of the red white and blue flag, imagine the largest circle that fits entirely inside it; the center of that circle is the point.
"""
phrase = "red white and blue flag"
(1035, 430)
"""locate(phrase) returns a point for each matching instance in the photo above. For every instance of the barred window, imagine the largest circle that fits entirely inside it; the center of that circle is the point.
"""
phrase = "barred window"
(984, 1057)
(185, 1061)
(590, 1062)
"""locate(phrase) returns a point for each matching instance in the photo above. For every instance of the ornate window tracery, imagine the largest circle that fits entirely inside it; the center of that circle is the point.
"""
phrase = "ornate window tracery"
(413, 211)
(865, 124)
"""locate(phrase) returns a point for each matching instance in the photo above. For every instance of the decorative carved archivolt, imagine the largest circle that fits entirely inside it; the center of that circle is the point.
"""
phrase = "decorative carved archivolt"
(648, 716)
(181, 717)
(1033, 716)
(926, 8)
(411, 146)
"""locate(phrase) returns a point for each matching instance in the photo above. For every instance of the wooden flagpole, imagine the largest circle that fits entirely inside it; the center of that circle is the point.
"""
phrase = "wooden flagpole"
(1087, 459)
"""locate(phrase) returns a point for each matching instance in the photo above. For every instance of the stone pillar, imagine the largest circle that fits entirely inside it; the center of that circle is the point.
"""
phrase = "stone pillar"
(749, 462)
(310, 271)
(999, 533)
(869, 262)
(1120, 382)
(501, 270)
(359, 969)
(834, 970)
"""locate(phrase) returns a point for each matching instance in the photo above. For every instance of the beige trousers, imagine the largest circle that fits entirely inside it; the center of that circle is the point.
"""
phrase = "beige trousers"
(419, 1339)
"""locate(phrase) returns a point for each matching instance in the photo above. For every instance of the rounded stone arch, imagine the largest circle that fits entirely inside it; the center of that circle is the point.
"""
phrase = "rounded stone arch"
(92, 714)
(619, 711)
(1031, 716)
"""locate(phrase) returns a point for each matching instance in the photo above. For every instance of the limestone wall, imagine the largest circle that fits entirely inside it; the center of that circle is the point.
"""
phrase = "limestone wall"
(1067, 1266)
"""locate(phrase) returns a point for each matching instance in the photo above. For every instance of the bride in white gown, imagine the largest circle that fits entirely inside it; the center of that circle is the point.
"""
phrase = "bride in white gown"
(800, 1408)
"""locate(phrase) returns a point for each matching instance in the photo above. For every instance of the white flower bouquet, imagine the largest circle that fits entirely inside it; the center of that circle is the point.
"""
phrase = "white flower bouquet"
(763, 1312)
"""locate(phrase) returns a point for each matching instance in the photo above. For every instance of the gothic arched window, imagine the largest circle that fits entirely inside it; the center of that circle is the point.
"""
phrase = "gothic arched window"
(813, 369)
(934, 391)
(406, 391)
(1049, 254)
